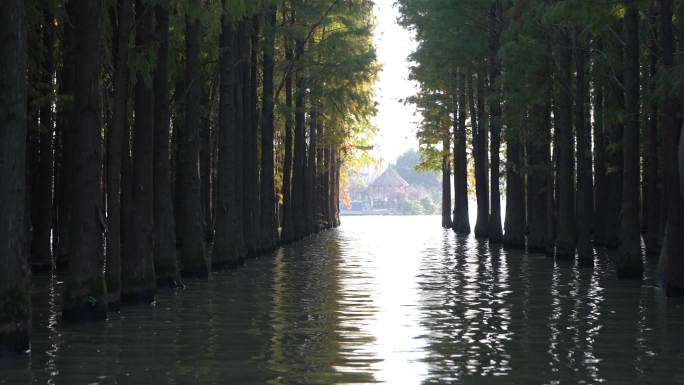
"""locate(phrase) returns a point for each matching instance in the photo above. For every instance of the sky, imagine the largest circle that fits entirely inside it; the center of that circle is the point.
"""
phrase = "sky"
(396, 121)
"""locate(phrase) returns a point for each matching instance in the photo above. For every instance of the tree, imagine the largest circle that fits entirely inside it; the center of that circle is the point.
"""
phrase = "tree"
(138, 274)
(84, 288)
(15, 298)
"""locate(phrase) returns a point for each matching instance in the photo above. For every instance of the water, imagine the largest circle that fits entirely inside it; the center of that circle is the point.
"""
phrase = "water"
(382, 299)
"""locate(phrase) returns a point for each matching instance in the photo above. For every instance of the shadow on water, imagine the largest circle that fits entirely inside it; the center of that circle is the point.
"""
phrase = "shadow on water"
(382, 299)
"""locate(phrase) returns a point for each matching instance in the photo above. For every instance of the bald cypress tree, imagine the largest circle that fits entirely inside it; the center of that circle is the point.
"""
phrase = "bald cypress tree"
(84, 290)
(15, 298)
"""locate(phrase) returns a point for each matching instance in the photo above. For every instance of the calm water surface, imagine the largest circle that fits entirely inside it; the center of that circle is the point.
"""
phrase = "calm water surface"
(381, 300)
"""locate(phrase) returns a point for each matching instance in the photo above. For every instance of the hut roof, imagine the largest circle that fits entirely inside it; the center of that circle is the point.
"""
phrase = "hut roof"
(389, 178)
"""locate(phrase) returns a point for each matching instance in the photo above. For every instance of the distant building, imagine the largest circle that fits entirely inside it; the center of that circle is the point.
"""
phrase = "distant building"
(387, 189)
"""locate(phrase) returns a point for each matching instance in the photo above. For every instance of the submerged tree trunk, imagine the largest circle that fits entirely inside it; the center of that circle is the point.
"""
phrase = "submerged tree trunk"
(538, 179)
(115, 142)
(84, 290)
(652, 200)
(494, 225)
(446, 180)
(268, 221)
(565, 227)
(614, 159)
(15, 296)
(66, 143)
(461, 221)
(479, 153)
(514, 226)
(190, 239)
(41, 256)
(628, 264)
(288, 215)
(226, 253)
(600, 188)
(137, 273)
(165, 262)
(584, 183)
(299, 161)
(250, 138)
(670, 265)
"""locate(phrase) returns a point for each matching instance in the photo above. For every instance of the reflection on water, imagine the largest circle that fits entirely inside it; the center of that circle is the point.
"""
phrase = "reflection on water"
(381, 300)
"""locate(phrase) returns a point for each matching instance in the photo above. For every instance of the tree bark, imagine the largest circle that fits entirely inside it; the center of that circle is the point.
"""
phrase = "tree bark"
(514, 226)
(165, 262)
(539, 177)
(288, 217)
(652, 200)
(461, 221)
(84, 291)
(565, 242)
(600, 181)
(137, 273)
(495, 231)
(190, 239)
(41, 255)
(299, 162)
(614, 104)
(670, 264)
(115, 142)
(15, 296)
(269, 227)
(226, 248)
(446, 180)
(629, 264)
(249, 37)
(479, 153)
(584, 179)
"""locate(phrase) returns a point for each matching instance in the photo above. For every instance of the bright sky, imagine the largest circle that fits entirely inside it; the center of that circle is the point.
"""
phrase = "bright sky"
(395, 120)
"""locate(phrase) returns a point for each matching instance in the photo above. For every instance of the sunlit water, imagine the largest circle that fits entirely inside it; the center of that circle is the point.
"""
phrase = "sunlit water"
(382, 299)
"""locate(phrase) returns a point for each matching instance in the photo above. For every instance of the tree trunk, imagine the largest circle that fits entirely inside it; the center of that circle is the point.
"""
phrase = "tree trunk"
(614, 106)
(190, 239)
(165, 262)
(494, 225)
(652, 200)
(299, 163)
(311, 217)
(137, 273)
(584, 182)
(514, 226)
(269, 227)
(629, 264)
(41, 256)
(446, 180)
(15, 295)
(565, 228)
(288, 202)
(250, 138)
(84, 290)
(115, 142)
(226, 248)
(479, 153)
(538, 179)
(461, 219)
(670, 266)
(65, 184)
(600, 180)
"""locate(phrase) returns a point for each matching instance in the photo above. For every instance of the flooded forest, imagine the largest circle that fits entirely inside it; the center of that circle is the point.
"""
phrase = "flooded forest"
(172, 174)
